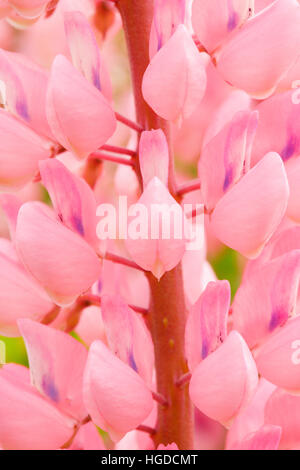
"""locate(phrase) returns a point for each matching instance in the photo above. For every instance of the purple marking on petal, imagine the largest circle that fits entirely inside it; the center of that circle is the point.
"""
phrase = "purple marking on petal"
(99, 286)
(132, 362)
(290, 148)
(278, 315)
(232, 21)
(204, 352)
(21, 108)
(228, 178)
(96, 78)
(78, 225)
(49, 388)
(159, 42)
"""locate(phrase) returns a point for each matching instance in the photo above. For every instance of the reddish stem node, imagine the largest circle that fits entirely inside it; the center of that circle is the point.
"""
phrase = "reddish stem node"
(121, 150)
(133, 125)
(146, 429)
(90, 299)
(123, 160)
(120, 260)
(196, 211)
(160, 399)
(188, 187)
(183, 380)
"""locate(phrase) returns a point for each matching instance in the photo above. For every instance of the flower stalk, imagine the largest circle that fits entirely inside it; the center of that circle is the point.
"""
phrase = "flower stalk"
(167, 314)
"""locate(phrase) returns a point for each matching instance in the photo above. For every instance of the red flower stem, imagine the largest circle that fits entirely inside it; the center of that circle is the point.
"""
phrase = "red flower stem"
(141, 310)
(121, 150)
(123, 160)
(133, 125)
(183, 380)
(120, 260)
(68, 444)
(90, 299)
(195, 212)
(160, 399)
(188, 187)
(167, 313)
(147, 429)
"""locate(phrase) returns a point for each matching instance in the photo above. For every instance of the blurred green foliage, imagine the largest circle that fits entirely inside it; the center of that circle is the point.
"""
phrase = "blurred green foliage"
(228, 265)
(15, 350)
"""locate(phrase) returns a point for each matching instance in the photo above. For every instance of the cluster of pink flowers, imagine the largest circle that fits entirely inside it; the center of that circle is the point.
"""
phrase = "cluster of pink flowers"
(159, 356)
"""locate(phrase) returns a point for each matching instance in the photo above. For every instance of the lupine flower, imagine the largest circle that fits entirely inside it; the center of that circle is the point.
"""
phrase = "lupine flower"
(206, 326)
(252, 418)
(266, 438)
(158, 253)
(40, 424)
(214, 21)
(19, 292)
(64, 110)
(222, 388)
(15, 172)
(180, 331)
(25, 91)
(47, 410)
(256, 58)
(175, 80)
(65, 264)
(110, 409)
(282, 409)
(167, 16)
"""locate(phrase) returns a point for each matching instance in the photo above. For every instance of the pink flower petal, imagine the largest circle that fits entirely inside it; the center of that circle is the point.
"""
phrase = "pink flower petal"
(87, 438)
(235, 101)
(226, 157)
(286, 241)
(278, 127)
(115, 396)
(266, 438)
(214, 20)
(266, 298)
(175, 80)
(293, 173)
(20, 151)
(85, 51)
(63, 263)
(257, 57)
(161, 248)
(278, 359)
(90, 326)
(79, 116)
(4, 8)
(154, 156)
(283, 409)
(20, 295)
(10, 205)
(26, 86)
(128, 336)
(28, 421)
(248, 214)
(251, 418)
(73, 199)
(29, 8)
(56, 363)
(206, 326)
(168, 14)
(224, 382)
